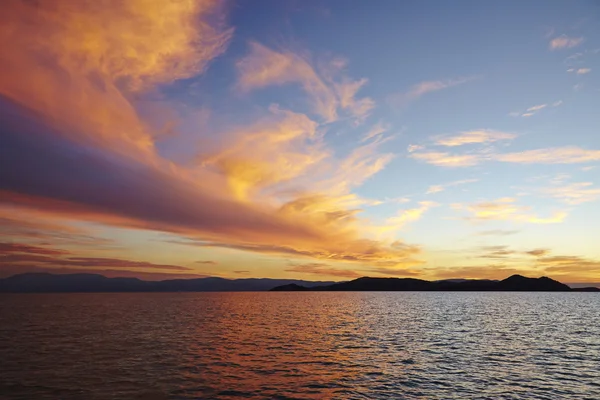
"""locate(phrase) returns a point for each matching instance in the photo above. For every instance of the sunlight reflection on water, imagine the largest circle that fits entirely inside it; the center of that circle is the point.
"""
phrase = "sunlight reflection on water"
(300, 345)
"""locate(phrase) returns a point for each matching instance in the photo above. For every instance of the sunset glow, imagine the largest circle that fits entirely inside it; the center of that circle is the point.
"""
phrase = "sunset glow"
(189, 138)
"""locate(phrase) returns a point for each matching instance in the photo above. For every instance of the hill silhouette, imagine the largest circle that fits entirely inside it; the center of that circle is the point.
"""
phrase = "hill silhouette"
(516, 283)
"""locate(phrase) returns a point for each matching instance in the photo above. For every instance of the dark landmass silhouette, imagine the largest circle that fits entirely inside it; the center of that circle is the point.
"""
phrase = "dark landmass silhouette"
(70, 283)
(515, 283)
(81, 283)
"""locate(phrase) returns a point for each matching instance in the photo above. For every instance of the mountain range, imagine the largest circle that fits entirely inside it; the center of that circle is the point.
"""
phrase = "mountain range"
(64, 283)
(71, 283)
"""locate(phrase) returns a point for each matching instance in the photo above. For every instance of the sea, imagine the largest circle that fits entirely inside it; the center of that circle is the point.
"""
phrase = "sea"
(323, 345)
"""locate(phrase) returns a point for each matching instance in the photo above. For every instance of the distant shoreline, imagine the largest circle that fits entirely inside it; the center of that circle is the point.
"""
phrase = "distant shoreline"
(95, 283)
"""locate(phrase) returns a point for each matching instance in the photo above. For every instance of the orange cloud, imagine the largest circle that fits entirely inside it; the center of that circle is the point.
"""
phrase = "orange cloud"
(274, 188)
(410, 215)
(506, 209)
(94, 56)
(443, 159)
(272, 151)
(571, 268)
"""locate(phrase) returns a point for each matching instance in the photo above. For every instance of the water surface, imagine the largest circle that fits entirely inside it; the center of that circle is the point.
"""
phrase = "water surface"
(407, 345)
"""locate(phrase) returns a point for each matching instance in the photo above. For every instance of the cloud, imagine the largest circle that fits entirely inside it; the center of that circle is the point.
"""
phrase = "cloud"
(13, 254)
(582, 71)
(571, 268)
(277, 149)
(565, 42)
(99, 56)
(410, 215)
(534, 109)
(207, 262)
(37, 226)
(442, 159)
(425, 87)
(474, 137)
(264, 67)
(538, 252)
(441, 188)
(203, 203)
(506, 209)
(414, 147)
(537, 108)
(496, 252)
(364, 251)
(375, 132)
(323, 269)
(574, 193)
(11, 248)
(553, 155)
(114, 263)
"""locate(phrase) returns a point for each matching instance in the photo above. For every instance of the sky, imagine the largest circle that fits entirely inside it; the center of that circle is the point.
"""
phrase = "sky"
(294, 139)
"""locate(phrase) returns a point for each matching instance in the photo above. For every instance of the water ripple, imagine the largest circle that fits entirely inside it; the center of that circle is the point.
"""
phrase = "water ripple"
(300, 346)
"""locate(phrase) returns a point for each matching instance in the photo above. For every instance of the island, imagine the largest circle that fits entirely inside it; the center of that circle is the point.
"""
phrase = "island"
(514, 283)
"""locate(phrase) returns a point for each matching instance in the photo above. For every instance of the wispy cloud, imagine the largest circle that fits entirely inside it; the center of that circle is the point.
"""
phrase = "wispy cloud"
(537, 108)
(474, 137)
(422, 88)
(506, 209)
(582, 71)
(553, 155)
(330, 91)
(574, 193)
(414, 147)
(443, 159)
(410, 215)
(534, 109)
(375, 131)
(565, 42)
